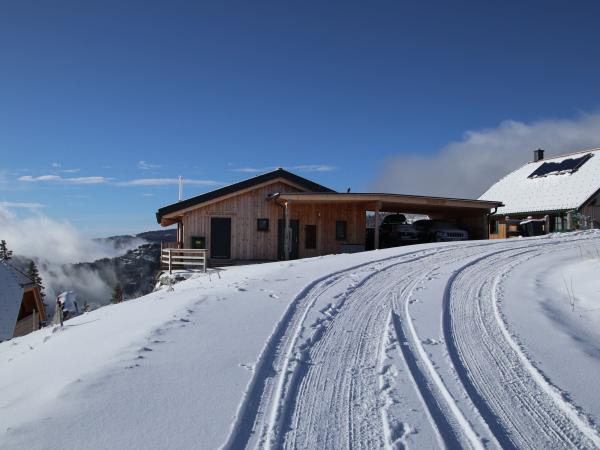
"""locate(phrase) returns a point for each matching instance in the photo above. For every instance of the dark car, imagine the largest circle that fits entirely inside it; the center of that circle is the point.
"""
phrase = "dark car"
(439, 231)
(394, 231)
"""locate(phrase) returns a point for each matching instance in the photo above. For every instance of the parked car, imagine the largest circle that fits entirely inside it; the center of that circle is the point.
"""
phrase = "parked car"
(394, 231)
(439, 231)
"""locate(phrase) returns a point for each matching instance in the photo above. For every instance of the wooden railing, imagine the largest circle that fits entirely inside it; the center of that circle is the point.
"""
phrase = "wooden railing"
(180, 258)
(164, 245)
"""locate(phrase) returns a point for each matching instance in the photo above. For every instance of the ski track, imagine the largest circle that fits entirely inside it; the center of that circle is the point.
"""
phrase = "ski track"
(323, 379)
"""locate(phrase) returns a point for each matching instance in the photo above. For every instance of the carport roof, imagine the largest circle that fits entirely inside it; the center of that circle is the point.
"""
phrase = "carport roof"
(392, 202)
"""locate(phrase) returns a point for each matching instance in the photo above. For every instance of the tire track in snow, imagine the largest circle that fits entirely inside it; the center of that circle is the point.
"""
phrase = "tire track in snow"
(517, 405)
(327, 388)
(453, 428)
(285, 404)
(258, 397)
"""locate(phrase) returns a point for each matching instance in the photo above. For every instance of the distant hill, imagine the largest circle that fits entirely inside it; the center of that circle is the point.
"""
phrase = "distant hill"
(134, 269)
(128, 241)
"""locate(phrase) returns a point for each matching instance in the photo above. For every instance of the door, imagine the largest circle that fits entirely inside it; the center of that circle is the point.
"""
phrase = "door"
(295, 226)
(220, 237)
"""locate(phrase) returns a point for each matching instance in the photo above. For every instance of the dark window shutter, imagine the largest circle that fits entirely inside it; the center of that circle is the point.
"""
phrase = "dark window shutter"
(310, 232)
(340, 230)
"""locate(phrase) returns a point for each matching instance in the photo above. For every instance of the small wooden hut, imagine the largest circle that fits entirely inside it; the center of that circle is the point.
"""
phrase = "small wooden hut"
(21, 308)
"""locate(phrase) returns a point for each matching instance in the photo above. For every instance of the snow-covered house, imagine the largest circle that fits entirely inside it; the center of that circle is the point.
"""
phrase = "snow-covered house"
(563, 191)
(21, 307)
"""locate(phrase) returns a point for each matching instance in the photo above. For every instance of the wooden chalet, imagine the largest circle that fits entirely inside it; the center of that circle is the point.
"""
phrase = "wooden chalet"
(280, 215)
(561, 193)
(21, 308)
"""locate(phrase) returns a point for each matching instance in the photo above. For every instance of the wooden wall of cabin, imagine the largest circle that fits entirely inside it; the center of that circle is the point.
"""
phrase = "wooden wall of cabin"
(247, 243)
(497, 228)
(593, 212)
(325, 216)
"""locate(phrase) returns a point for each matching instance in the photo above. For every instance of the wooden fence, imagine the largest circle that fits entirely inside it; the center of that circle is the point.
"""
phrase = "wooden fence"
(181, 258)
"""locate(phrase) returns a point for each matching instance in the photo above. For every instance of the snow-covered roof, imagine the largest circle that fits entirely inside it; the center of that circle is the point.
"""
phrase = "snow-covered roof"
(11, 295)
(559, 183)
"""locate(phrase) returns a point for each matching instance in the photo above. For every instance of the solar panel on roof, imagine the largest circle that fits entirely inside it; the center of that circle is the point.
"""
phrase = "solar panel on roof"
(569, 165)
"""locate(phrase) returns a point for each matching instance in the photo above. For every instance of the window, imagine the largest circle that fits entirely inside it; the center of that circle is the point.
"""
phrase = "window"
(340, 230)
(310, 237)
(198, 242)
(262, 224)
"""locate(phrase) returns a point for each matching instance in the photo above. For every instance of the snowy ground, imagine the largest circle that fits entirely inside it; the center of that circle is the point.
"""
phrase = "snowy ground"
(459, 345)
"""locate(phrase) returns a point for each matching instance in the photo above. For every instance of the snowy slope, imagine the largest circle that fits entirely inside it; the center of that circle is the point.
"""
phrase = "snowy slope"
(454, 345)
(548, 193)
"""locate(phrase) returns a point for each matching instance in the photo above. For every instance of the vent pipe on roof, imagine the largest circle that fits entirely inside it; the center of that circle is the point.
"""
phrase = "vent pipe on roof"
(180, 188)
(538, 155)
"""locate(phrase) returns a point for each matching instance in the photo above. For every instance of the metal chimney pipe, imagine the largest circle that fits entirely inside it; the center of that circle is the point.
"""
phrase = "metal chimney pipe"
(538, 155)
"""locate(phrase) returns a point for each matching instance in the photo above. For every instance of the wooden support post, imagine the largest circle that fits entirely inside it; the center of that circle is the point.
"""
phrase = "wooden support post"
(169, 252)
(546, 224)
(377, 208)
(570, 221)
(486, 226)
(287, 244)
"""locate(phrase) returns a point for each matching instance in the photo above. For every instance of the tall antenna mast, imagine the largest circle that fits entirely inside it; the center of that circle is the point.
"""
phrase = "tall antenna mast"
(180, 188)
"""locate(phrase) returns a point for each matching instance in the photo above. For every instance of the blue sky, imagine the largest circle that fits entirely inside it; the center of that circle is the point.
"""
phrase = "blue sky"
(95, 97)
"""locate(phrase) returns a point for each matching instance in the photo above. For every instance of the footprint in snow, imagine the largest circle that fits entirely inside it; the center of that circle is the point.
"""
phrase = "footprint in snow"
(430, 341)
(241, 289)
(273, 296)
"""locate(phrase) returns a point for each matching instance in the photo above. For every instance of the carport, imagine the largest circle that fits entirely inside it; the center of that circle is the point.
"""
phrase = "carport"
(471, 215)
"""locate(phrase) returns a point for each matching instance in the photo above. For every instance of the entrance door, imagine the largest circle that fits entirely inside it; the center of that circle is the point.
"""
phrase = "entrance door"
(295, 251)
(220, 237)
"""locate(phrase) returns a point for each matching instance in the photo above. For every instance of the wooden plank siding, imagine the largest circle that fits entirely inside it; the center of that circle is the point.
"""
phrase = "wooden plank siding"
(247, 243)
(324, 216)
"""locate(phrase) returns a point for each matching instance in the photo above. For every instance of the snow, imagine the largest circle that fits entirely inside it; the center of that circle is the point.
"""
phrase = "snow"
(472, 344)
(521, 194)
(69, 301)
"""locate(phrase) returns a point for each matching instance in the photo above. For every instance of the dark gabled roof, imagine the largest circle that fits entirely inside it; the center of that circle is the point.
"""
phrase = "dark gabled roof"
(232, 188)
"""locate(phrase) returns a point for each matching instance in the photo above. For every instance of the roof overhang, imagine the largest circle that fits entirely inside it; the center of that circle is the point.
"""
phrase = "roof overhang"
(392, 202)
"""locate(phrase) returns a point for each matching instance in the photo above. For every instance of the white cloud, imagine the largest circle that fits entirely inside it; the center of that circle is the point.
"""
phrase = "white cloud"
(299, 168)
(59, 179)
(37, 235)
(254, 169)
(468, 167)
(23, 205)
(52, 244)
(143, 165)
(56, 165)
(167, 182)
(70, 170)
(313, 168)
